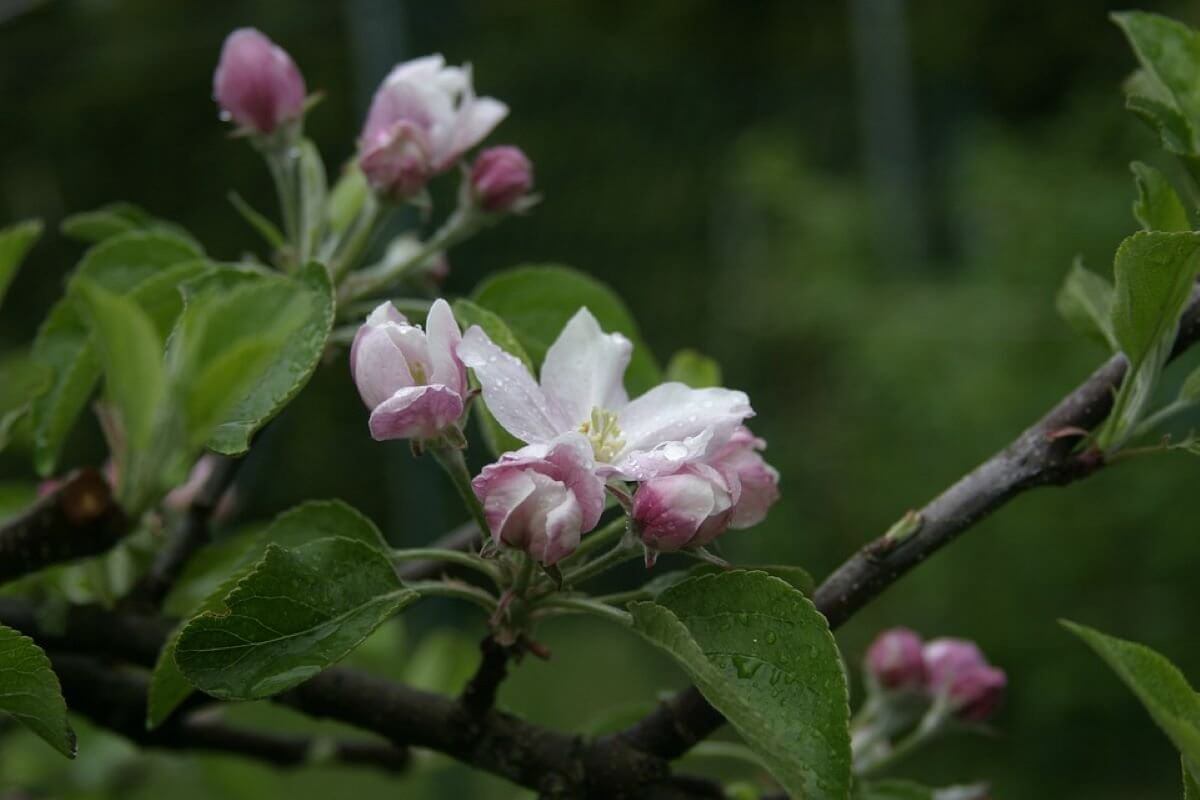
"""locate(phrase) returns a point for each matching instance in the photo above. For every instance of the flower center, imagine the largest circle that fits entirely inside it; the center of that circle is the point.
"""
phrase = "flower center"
(603, 432)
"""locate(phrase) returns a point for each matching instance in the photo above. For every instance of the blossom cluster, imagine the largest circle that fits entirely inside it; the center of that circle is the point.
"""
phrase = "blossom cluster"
(952, 673)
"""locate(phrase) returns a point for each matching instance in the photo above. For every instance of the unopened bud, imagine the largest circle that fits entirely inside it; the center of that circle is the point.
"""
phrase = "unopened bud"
(500, 178)
(256, 83)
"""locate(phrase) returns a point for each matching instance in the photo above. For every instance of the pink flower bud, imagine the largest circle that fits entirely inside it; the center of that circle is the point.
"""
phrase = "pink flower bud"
(543, 497)
(256, 82)
(411, 379)
(894, 660)
(423, 117)
(958, 671)
(500, 178)
(687, 509)
(754, 482)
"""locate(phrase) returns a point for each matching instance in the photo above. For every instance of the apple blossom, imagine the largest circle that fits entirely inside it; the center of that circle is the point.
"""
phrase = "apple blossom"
(582, 390)
(501, 177)
(958, 672)
(424, 116)
(411, 379)
(256, 83)
(543, 497)
(894, 660)
(687, 509)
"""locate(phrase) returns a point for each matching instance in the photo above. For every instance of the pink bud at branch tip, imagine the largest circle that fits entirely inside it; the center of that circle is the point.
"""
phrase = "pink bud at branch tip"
(256, 83)
(501, 178)
(894, 660)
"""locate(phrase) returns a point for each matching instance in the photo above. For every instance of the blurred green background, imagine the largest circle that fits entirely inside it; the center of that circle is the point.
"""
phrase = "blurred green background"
(862, 210)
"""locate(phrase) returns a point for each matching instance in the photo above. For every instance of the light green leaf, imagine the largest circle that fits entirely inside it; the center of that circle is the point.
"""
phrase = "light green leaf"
(1151, 102)
(1169, 52)
(693, 368)
(15, 243)
(120, 264)
(350, 194)
(537, 301)
(132, 354)
(22, 380)
(1085, 302)
(1154, 277)
(296, 613)
(298, 327)
(764, 657)
(311, 521)
(1165, 693)
(30, 692)
(313, 188)
(115, 219)
(1158, 207)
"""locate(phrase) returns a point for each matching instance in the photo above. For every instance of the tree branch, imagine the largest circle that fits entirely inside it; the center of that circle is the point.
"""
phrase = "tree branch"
(79, 518)
(479, 695)
(1038, 457)
(115, 698)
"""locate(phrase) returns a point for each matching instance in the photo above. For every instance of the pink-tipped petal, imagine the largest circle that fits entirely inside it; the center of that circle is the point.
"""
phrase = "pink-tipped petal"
(378, 366)
(444, 337)
(510, 392)
(585, 368)
(417, 412)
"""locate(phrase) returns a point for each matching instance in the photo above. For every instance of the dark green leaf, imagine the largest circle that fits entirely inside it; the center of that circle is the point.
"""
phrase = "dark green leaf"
(1158, 207)
(1169, 52)
(1163, 690)
(296, 613)
(22, 380)
(118, 218)
(120, 264)
(693, 368)
(1085, 302)
(537, 301)
(30, 692)
(1153, 105)
(763, 656)
(1191, 785)
(15, 242)
(893, 790)
(469, 313)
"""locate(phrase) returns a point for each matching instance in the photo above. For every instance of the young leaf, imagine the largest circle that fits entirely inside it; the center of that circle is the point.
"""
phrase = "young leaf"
(1149, 100)
(1154, 276)
(350, 194)
(1158, 207)
(22, 380)
(115, 219)
(15, 242)
(1161, 687)
(763, 656)
(296, 613)
(1085, 302)
(30, 692)
(693, 368)
(258, 221)
(311, 521)
(313, 187)
(1169, 52)
(537, 301)
(120, 264)
(132, 354)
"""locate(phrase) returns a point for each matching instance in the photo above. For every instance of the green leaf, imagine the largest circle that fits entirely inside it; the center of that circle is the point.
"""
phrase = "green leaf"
(308, 522)
(118, 218)
(1165, 693)
(1191, 785)
(1189, 391)
(22, 380)
(350, 194)
(120, 264)
(15, 243)
(1169, 52)
(1158, 207)
(313, 188)
(693, 368)
(1154, 277)
(764, 657)
(1151, 102)
(30, 692)
(258, 221)
(297, 322)
(893, 790)
(537, 301)
(443, 662)
(132, 354)
(296, 613)
(1085, 302)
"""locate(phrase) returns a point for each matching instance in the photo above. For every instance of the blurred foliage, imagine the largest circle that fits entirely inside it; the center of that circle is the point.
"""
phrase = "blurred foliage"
(703, 158)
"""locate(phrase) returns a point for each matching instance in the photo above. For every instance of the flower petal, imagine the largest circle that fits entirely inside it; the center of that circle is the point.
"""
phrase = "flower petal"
(516, 402)
(443, 337)
(674, 424)
(585, 368)
(418, 412)
(377, 365)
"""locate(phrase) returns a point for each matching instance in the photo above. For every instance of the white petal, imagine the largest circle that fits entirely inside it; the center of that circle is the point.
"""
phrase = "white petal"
(674, 424)
(378, 366)
(443, 337)
(585, 368)
(516, 402)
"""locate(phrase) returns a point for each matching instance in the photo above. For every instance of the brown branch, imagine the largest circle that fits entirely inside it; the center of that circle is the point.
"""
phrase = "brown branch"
(479, 695)
(1038, 457)
(79, 518)
(192, 533)
(114, 697)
